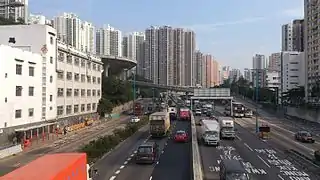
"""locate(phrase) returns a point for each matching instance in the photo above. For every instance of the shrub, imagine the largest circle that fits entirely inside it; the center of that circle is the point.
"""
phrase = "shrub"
(95, 149)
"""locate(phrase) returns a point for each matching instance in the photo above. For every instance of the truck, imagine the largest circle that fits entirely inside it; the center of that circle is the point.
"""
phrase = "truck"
(210, 132)
(172, 113)
(59, 166)
(238, 110)
(159, 124)
(184, 114)
(227, 127)
(138, 109)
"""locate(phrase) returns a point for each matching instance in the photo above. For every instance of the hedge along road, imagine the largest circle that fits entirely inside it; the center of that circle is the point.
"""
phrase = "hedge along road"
(119, 163)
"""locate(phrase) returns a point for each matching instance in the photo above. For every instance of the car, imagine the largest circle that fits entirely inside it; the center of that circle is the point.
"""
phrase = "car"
(147, 153)
(248, 113)
(198, 112)
(181, 136)
(304, 136)
(135, 119)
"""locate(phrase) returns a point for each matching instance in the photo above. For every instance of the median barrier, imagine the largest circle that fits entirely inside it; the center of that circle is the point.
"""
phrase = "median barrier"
(9, 151)
(196, 160)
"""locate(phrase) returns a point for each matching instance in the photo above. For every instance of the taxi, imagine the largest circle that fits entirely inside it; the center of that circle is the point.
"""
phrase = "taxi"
(181, 136)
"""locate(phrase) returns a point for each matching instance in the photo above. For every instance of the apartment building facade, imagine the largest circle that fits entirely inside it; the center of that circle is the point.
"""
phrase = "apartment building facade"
(108, 41)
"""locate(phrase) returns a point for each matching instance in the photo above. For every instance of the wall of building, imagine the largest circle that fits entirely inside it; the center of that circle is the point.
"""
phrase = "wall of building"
(20, 87)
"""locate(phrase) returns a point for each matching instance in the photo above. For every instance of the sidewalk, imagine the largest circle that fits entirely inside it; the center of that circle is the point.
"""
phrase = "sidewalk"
(62, 143)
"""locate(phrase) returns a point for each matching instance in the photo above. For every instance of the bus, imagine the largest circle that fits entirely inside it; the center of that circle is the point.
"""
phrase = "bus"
(238, 110)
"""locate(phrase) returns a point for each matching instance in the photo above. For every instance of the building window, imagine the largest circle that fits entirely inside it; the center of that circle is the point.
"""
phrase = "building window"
(76, 61)
(51, 40)
(31, 112)
(99, 67)
(89, 65)
(18, 69)
(75, 108)
(88, 107)
(93, 79)
(51, 60)
(83, 78)
(18, 113)
(94, 66)
(18, 90)
(68, 109)
(51, 79)
(76, 77)
(69, 76)
(98, 93)
(89, 79)
(60, 110)
(31, 91)
(88, 92)
(76, 92)
(69, 92)
(51, 98)
(31, 71)
(93, 92)
(69, 59)
(83, 107)
(60, 92)
(83, 63)
(83, 92)
(98, 80)
(61, 56)
(60, 75)
(94, 106)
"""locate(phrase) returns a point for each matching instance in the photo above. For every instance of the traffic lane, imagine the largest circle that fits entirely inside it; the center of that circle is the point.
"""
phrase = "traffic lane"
(130, 170)
(110, 163)
(288, 124)
(175, 162)
(281, 140)
(272, 157)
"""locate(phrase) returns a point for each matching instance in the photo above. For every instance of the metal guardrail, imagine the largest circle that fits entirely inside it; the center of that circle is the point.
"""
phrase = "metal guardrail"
(196, 160)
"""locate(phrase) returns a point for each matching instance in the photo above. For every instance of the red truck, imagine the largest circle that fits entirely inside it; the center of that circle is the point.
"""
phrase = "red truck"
(138, 109)
(185, 114)
(71, 166)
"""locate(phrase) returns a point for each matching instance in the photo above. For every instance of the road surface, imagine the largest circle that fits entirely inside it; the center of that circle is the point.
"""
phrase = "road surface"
(261, 161)
(174, 162)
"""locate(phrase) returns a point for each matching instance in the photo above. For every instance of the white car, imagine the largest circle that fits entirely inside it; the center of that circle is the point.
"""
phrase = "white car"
(198, 112)
(134, 119)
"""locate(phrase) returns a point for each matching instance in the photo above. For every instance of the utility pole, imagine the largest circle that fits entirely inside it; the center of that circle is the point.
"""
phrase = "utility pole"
(257, 96)
(134, 91)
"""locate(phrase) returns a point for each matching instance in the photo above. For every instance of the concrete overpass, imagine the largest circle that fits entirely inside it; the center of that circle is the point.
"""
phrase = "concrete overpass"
(160, 86)
(114, 65)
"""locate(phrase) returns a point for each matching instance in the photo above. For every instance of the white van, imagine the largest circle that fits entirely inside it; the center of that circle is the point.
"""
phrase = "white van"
(210, 132)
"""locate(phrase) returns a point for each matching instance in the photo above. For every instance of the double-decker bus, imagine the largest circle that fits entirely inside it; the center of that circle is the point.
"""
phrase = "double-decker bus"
(238, 110)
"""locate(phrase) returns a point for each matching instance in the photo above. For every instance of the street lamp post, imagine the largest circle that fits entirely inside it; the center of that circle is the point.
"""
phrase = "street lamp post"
(257, 96)
(134, 90)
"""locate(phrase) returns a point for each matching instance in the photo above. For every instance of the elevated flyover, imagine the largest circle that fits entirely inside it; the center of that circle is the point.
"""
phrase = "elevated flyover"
(160, 86)
(114, 65)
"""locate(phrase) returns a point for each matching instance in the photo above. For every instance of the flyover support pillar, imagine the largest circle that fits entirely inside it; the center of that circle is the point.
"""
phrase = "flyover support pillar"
(106, 70)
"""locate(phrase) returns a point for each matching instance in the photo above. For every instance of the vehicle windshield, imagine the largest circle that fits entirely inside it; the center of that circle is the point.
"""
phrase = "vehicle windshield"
(306, 134)
(237, 176)
(211, 133)
(180, 133)
(145, 149)
(227, 129)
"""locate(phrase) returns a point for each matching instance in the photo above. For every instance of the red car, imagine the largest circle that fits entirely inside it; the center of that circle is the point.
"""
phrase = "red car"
(181, 136)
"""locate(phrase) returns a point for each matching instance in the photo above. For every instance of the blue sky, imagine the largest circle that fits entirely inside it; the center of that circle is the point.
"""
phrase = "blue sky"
(231, 30)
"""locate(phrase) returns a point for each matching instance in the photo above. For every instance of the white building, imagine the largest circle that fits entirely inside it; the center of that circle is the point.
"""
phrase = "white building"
(273, 79)
(37, 19)
(247, 75)
(108, 41)
(78, 82)
(234, 75)
(292, 70)
(135, 50)
(77, 33)
(287, 37)
(15, 13)
(258, 61)
(21, 87)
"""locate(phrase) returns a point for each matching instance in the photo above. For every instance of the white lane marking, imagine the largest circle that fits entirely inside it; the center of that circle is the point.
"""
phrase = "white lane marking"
(135, 152)
(280, 177)
(166, 144)
(128, 159)
(17, 164)
(248, 146)
(150, 178)
(121, 167)
(162, 152)
(117, 172)
(132, 155)
(264, 161)
(157, 162)
(126, 162)
(112, 178)
(238, 137)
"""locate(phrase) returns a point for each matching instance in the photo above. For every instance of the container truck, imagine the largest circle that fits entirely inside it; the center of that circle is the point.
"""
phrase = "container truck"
(185, 114)
(159, 124)
(226, 127)
(72, 166)
(172, 113)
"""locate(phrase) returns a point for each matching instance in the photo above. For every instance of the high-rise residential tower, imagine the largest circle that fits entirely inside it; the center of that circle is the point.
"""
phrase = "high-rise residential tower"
(151, 53)
(16, 13)
(135, 49)
(109, 41)
(179, 57)
(198, 67)
(189, 49)
(292, 36)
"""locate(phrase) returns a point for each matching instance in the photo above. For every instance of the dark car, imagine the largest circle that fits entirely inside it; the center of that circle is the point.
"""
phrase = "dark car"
(304, 136)
(231, 169)
(147, 153)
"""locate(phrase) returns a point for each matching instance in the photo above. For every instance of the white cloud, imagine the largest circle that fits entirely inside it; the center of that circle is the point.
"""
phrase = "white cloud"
(295, 12)
(211, 27)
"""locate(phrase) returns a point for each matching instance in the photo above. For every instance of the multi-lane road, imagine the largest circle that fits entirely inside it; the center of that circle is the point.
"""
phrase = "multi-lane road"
(260, 159)
(174, 162)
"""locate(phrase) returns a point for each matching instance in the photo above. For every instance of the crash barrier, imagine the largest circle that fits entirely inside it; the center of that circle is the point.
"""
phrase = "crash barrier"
(76, 126)
(196, 160)
(12, 150)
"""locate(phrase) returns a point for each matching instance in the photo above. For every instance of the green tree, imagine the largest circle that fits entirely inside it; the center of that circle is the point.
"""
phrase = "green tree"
(294, 96)
(104, 107)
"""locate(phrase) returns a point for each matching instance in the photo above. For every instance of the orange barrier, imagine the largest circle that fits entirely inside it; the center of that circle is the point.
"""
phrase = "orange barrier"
(77, 126)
